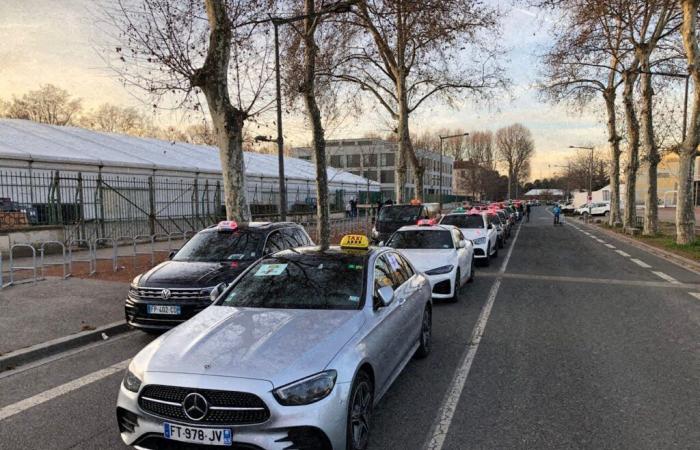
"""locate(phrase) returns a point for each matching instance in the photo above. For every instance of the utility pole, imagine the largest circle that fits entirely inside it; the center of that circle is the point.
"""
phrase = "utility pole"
(442, 138)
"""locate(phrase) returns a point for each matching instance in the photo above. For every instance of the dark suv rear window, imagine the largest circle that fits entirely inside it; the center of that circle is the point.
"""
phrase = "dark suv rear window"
(463, 220)
(214, 246)
(401, 213)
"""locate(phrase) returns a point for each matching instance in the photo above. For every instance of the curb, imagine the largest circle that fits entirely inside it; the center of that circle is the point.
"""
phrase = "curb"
(26, 355)
(671, 257)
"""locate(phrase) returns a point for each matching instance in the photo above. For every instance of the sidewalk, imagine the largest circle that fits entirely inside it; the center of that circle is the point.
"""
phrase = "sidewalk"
(31, 314)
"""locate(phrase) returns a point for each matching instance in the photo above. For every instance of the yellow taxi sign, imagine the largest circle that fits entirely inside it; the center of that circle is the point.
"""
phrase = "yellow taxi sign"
(354, 241)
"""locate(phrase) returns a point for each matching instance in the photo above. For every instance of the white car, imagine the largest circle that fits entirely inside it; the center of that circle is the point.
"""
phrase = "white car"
(595, 209)
(475, 226)
(441, 252)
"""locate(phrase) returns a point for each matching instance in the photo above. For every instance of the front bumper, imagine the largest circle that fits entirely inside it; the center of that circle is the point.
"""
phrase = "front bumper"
(442, 286)
(137, 316)
(287, 426)
(480, 251)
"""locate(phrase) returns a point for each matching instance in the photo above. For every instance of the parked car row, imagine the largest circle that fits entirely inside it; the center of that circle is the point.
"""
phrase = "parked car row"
(275, 344)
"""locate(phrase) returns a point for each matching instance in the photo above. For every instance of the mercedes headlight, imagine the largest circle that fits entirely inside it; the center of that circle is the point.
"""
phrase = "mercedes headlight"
(308, 390)
(440, 270)
(479, 241)
(131, 382)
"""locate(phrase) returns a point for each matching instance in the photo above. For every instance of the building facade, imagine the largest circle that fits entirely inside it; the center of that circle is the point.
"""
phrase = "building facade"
(375, 159)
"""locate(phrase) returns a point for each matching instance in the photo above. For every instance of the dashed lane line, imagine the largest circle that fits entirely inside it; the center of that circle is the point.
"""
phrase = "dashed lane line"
(695, 294)
(640, 263)
(597, 281)
(43, 397)
(666, 277)
(610, 246)
(625, 254)
(441, 426)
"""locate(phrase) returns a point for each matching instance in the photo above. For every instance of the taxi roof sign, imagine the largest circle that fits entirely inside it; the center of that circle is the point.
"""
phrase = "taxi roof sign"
(358, 241)
(426, 222)
(227, 225)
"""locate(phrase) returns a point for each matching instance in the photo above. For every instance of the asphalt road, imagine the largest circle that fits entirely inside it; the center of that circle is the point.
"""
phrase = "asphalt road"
(578, 345)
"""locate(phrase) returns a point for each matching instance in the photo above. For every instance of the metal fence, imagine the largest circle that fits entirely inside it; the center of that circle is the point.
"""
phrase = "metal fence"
(96, 205)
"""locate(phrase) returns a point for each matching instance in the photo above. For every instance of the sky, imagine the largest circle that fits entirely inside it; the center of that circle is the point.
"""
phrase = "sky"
(58, 42)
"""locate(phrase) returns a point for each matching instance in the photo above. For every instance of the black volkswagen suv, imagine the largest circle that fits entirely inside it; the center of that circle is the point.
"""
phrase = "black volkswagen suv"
(176, 290)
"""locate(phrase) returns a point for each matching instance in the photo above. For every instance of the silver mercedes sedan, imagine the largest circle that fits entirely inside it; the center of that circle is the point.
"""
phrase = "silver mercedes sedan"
(293, 355)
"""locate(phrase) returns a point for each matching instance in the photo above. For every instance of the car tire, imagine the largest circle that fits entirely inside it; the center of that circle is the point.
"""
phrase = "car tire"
(458, 284)
(471, 272)
(359, 412)
(487, 260)
(495, 252)
(426, 334)
(607, 214)
(500, 243)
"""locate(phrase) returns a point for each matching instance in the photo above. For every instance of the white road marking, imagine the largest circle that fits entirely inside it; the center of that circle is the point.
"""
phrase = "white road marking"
(620, 252)
(640, 263)
(610, 246)
(695, 294)
(439, 429)
(43, 397)
(666, 277)
(600, 240)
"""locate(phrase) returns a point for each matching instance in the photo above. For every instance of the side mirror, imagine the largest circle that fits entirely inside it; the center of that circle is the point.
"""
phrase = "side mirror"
(216, 292)
(386, 295)
(462, 244)
(172, 254)
(381, 244)
(490, 226)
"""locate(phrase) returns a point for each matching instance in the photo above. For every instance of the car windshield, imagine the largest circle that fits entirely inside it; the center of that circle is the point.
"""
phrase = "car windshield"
(426, 239)
(464, 220)
(213, 246)
(401, 213)
(291, 280)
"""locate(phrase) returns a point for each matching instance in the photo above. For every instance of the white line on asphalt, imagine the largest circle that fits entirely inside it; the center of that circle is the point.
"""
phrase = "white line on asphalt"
(640, 263)
(438, 432)
(695, 294)
(625, 254)
(23, 405)
(600, 240)
(666, 277)
(609, 245)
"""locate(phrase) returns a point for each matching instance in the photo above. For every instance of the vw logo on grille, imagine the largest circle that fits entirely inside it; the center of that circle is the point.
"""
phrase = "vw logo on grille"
(165, 294)
(195, 406)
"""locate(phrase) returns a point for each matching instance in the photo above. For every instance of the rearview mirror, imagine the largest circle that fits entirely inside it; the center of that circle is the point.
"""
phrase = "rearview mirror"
(462, 244)
(386, 295)
(218, 289)
(490, 226)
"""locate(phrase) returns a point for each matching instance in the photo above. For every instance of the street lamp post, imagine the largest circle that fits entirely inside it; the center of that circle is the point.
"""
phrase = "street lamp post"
(686, 76)
(442, 138)
(340, 7)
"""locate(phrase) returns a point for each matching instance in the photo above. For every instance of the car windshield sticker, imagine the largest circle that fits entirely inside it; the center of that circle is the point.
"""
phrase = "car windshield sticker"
(270, 270)
(235, 256)
(355, 266)
(354, 298)
(394, 262)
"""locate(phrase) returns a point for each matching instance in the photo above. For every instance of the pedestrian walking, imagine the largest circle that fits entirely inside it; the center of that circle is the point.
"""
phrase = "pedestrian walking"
(527, 212)
(353, 207)
(348, 210)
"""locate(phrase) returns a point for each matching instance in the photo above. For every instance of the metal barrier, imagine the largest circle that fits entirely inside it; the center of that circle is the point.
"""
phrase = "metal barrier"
(145, 239)
(63, 262)
(13, 268)
(162, 238)
(2, 284)
(92, 264)
(130, 242)
(176, 236)
(114, 252)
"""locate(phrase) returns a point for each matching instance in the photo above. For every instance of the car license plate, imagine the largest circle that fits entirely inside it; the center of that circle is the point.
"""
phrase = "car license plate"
(196, 435)
(172, 310)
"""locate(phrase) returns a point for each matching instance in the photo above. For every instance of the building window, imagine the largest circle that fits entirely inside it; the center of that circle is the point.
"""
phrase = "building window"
(371, 175)
(353, 160)
(387, 159)
(369, 160)
(336, 161)
(387, 176)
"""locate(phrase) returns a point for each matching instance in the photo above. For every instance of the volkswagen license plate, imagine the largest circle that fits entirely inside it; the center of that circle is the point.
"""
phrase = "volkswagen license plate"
(172, 310)
(196, 435)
